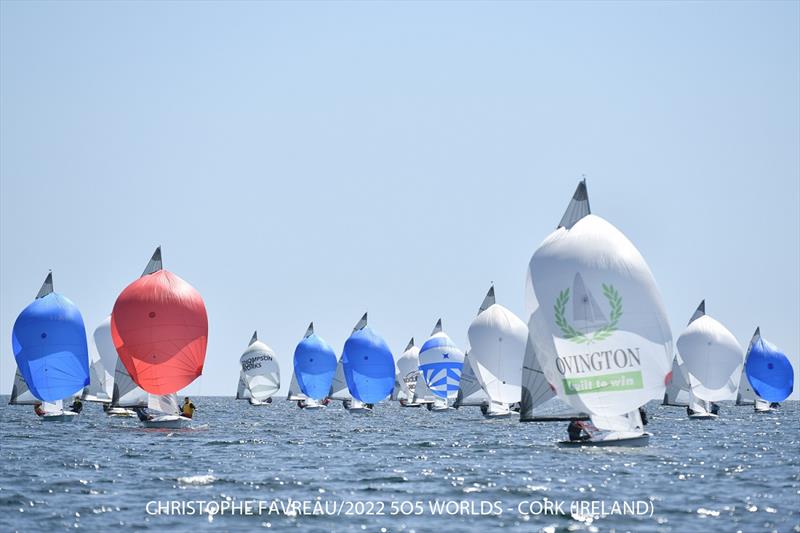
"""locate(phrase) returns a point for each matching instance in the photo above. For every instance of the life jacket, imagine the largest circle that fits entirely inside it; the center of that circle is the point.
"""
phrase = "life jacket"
(187, 410)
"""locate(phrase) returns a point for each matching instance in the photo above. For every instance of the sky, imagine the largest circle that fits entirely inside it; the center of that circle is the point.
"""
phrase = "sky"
(308, 161)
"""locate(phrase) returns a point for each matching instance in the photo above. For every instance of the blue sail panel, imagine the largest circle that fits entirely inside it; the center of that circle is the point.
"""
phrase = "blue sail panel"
(49, 343)
(314, 367)
(769, 371)
(368, 366)
(444, 378)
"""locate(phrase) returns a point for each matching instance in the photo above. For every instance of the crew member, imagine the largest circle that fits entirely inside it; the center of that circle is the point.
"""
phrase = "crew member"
(188, 408)
(577, 431)
(38, 409)
(77, 405)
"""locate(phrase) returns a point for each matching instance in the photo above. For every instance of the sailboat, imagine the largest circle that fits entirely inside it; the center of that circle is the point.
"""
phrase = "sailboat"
(677, 393)
(49, 342)
(712, 359)
(769, 372)
(368, 367)
(339, 390)
(598, 329)
(441, 363)
(498, 338)
(407, 375)
(260, 371)
(103, 360)
(160, 330)
(470, 393)
(314, 368)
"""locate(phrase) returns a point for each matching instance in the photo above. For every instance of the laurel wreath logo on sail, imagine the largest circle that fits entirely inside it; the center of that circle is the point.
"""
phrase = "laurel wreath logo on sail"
(572, 334)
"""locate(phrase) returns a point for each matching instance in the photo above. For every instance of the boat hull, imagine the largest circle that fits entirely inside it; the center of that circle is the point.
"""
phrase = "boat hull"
(614, 441)
(167, 422)
(120, 412)
(66, 416)
(359, 410)
(703, 416)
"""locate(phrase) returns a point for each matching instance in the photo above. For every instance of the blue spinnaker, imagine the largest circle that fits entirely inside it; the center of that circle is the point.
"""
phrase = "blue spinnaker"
(441, 363)
(368, 366)
(314, 366)
(49, 343)
(769, 371)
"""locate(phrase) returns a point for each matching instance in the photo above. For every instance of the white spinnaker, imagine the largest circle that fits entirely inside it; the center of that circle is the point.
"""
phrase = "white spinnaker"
(126, 392)
(407, 371)
(677, 393)
(260, 370)
(339, 390)
(606, 350)
(497, 338)
(712, 358)
(20, 392)
(102, 365)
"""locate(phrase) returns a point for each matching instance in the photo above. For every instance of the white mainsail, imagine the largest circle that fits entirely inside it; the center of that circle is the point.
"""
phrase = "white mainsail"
(746, 395)
(260, 370)
(677, 393)
(712, 358)
(242, 392)
(598, 327)
(126, 392)
(470, 392)
(20, 393)
(103, 362)
(339, 390)
(295, 394)
(498, 338)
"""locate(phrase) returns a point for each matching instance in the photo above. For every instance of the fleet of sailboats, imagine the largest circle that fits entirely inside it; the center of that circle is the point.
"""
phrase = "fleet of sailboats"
(595, 349)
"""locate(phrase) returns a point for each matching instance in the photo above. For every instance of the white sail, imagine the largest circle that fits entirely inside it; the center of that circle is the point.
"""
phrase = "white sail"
(470, 392)
(712, 358)
(422, 394)
(746, 394)
(165, 403)
(260, 370)
(698, 406)
(677, 393)
(53, 408)
(20, 393)
(498, 340)
(407, 372)
(242, 392)
(629, 422)
(552, 410)
(126, 393)
(597, 324)
(295, 394)
(339, 390)
(103, 362)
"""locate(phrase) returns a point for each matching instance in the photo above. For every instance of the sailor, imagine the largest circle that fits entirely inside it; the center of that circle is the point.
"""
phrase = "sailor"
(38, 409)
(577, 431)
(188, 408)
(774, 405)
(484, 408)
(269, 400)
(643, 414)
(301, 404)
(77, 405)
(689, 411)
(142, 413)
(346, 404)
(714, 408)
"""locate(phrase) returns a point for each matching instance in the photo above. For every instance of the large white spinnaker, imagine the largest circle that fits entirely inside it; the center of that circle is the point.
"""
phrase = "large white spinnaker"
(497, 338)
(677, 393)
(260, 370)
(102, 364)
(712, 357)
(598, 327)
(20, 392)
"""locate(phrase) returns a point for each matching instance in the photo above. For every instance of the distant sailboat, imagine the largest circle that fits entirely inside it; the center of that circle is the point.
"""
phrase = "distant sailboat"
(712, 359)
(103, 362)
(769, 372)
(441, 363)
(49, 343)
(160, 330)
(598, 328)
(677, 393)
(497, 338)
(368, 367)
(470, 393)
(314, 368)
(407, 375)
(260, 371)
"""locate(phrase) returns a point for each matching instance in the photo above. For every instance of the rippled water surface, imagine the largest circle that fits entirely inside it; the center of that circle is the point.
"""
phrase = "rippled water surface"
(741, 472)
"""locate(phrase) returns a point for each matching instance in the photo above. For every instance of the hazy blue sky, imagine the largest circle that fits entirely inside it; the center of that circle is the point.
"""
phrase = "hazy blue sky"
(310, 161)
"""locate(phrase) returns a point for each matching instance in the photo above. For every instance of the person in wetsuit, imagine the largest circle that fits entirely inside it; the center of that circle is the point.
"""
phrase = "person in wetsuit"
(77, 405)
(577, 432)
(714, 408)
(643, 414)
(142, 413)
(38, 409)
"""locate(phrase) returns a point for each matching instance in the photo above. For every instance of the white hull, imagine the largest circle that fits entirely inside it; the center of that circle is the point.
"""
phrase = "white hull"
(65, 416)
(616, 439)
(359, 410)
(167, 422)
(703, 416)
(759, 409)
(316, 407)
(120, 412)
(497, 411)
(410, 404)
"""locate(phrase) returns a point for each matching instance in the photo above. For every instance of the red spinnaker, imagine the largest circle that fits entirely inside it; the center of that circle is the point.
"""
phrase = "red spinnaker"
(160, 329)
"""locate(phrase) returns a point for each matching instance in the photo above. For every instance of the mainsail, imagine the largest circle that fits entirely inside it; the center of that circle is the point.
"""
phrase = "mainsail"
(745, 395)
(160, 330)
(677, 393)
(498, 341)
(242, 392)
(260, 369)
(712, 358)
(295, 394)
(441, 363)
(339, 389)
(20, 393)
(470, 393)
(314, 365)
(606, 350)
(768, 370)
(103, 363)
(49, 343)
(126, 393)
(368, 364)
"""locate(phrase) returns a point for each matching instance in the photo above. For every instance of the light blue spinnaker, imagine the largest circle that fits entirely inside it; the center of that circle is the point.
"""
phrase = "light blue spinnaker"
(49, 344)
(368, 364)
(314, 365)
(768, 369)
(441, 363)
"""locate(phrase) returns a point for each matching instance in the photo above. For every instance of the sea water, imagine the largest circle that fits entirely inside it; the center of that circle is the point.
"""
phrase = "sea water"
(398, 469)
